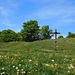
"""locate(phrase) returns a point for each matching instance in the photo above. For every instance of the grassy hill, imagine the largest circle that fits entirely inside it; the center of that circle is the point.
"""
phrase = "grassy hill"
(38, 58)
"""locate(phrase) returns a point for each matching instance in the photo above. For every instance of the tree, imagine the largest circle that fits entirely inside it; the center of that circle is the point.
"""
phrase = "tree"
(61, 36)
(30, 30)
(71, 35)
(8, 35)
(19, 37)
(45, 32)
(0, 36)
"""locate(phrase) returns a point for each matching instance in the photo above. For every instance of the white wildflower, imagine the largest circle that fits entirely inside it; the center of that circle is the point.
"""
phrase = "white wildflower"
(68, 71)
(2, 68)
(19, 64)
(5, 56)
(21, 69)
(71, 66)
(36, 70)
(1, 73)
(19, 58)
(18, 70)
(22, 60)
(13, 66)
(47, 65)
(0, 56)
(57, 46)
(36, 63)
(30, 60)
(24, 72)
(52, 60)
(16, 67)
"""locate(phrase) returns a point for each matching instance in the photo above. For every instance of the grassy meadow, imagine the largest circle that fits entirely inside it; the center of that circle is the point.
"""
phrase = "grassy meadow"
(38, 58)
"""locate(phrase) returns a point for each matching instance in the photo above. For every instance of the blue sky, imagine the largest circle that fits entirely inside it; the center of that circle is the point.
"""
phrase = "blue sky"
(58, 14)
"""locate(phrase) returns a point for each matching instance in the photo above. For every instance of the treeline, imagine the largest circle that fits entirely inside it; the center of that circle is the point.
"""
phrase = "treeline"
(30, 32)
(70, 35)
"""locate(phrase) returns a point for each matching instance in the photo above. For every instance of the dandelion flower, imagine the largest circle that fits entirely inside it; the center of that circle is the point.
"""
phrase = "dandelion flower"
(55, 65)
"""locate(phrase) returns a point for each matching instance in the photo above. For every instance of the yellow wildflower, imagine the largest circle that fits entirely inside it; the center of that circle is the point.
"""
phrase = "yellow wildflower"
(55, 65)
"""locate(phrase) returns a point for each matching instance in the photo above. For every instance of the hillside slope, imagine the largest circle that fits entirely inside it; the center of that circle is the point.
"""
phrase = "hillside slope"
(38, 57)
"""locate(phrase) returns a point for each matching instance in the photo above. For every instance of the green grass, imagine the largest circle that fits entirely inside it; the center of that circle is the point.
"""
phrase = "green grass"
(38, 58)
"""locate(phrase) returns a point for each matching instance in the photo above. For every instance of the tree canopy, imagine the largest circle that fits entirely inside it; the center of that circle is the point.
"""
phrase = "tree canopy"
(30, 30)
(71, 35)
(7, 35)
(45, 31)
(61, 36)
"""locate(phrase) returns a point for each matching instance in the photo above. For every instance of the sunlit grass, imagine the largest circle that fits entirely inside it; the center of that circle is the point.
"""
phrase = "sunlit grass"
(38, 58)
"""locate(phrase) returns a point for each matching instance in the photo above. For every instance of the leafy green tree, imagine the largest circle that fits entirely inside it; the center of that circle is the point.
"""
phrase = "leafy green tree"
(0, 36)
(30, 30)
(61, 36)
(71, 35)
(19, 37)
(45, 31)
(8, 35)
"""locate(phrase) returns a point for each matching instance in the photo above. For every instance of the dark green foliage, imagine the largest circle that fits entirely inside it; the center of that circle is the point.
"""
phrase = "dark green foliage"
(30, 30)
(61, 36)
(19, 37)
(8, 35)
(0, 36)
(45, 31)
(71, 35)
